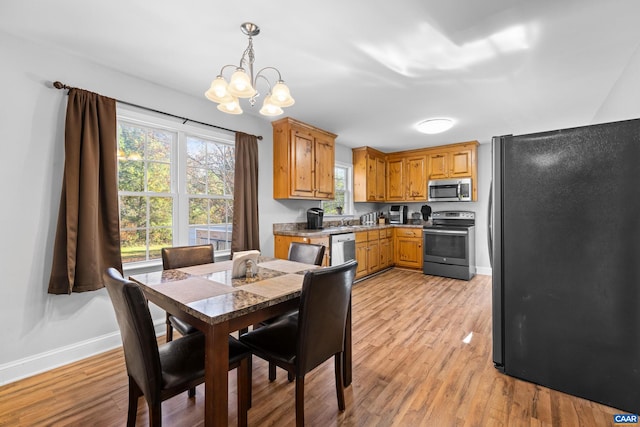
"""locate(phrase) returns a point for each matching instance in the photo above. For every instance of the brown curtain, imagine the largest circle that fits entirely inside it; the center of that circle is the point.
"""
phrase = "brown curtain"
(88, 234)
(246, 234)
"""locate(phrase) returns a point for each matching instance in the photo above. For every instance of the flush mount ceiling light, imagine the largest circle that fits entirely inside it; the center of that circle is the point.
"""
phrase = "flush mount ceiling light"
(243, 85)
(432, 126)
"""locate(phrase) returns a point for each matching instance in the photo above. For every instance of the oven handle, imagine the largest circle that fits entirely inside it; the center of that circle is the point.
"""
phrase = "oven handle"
(445, 232)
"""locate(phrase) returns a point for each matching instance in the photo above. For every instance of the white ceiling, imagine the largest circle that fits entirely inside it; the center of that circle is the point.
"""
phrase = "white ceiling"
(368, 70)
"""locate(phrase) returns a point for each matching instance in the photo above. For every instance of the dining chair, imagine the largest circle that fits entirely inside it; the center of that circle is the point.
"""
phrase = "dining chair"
(180, 257)
(307, 253)
(300, 344)
(161, 372)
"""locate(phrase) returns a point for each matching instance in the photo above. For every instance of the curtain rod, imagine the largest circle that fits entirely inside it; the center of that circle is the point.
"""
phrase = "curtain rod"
(59, 85)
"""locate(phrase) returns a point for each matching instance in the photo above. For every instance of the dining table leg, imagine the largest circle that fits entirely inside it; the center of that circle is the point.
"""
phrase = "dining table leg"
(216, 381)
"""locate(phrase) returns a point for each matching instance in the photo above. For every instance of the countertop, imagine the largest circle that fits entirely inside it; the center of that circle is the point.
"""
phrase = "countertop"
(339, 229)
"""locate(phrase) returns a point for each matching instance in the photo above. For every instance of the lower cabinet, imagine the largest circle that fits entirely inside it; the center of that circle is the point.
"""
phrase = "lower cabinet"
(386, 248)
(361, 254)
(408, 247)
(281, 245)
(374, 251)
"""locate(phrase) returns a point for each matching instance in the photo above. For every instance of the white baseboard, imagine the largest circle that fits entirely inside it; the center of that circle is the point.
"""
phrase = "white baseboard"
(36, 364)
(487, 271)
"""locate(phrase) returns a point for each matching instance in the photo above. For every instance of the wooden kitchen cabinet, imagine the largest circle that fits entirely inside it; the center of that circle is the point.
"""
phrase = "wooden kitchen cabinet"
(407, 172)
(361, 254)
(386, 248)
(369, 172)
(416, 173)
(281, 246)
(369, 252)
(373, 251)
(456, 161)
(395, 179)
(408, 247)
(303, 161)
(453, 162)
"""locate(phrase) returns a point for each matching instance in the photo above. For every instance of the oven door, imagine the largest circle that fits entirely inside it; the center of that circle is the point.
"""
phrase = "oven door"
(446, 245)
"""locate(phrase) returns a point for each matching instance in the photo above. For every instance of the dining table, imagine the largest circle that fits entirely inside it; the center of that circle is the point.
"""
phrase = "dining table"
(208, 297)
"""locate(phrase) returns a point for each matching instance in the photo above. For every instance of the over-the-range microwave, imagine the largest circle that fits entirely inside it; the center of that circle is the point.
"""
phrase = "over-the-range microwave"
(449, 190)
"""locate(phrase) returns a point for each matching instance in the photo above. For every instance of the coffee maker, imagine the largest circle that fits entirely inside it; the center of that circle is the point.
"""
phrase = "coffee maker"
(314, 218)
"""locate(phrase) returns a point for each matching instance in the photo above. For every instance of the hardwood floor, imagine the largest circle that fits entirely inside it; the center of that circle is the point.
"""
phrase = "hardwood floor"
(422, 357)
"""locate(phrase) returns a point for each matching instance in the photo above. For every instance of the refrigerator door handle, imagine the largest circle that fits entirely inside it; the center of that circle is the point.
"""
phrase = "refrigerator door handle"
(490, 225)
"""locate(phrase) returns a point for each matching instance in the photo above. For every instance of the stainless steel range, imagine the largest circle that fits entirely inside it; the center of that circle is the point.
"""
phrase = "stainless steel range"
(449, 247)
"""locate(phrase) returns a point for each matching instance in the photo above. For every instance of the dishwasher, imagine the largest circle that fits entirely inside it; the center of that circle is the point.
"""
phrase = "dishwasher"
(342, 248)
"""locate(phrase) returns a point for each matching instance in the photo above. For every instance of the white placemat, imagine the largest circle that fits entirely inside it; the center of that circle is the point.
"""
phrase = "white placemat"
(192, 289)
(287, 266)
(203, 269)
(275, 286)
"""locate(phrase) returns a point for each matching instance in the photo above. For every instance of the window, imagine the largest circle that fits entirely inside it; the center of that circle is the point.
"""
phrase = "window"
(342, 203)
(210, 169)
(175, 187)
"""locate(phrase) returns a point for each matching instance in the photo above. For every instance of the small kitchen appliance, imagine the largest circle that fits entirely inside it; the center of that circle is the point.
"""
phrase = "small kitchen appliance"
(314, 218)
(426, 212)
(398, 214)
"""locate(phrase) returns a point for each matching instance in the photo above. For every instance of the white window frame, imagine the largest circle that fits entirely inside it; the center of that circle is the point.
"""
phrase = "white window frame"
(348, 209)
(180, 227)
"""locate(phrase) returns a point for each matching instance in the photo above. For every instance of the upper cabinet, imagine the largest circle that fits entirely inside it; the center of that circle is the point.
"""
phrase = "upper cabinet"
(369, 172)
(395, 178)
(303, 161)
(416, 177)
(407, 172)
(455, 162)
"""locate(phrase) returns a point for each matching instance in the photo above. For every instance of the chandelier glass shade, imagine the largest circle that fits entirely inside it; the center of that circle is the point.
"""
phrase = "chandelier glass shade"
(242, 84)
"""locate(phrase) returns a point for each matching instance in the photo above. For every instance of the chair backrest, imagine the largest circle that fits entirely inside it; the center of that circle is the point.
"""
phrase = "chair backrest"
(306, 252)
(324, 302)
(186, 256)
(138, 335)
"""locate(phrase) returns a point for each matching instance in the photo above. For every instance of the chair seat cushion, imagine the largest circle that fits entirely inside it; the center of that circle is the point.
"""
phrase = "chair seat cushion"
(277, 340)
(182, 360)
(181, 326)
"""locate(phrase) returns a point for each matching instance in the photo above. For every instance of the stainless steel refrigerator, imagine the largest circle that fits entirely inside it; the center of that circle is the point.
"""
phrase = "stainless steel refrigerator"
(565, 251)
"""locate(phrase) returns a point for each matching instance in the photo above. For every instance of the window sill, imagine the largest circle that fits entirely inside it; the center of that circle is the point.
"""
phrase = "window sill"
(142, 267)
(156, 265)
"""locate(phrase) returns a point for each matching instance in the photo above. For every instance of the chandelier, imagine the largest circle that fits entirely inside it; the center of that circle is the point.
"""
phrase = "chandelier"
(243, 84)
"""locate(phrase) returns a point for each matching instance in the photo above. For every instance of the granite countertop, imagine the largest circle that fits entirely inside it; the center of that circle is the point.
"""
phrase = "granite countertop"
(294, 229)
